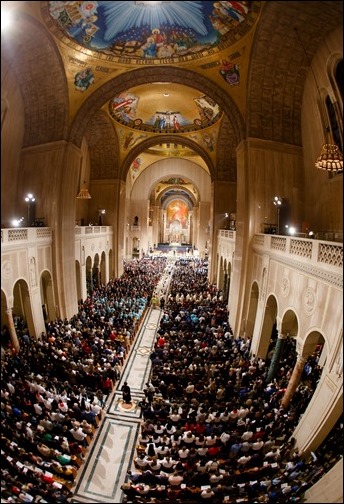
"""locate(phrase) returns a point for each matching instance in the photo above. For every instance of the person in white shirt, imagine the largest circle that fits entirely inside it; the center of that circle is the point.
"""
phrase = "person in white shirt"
(167, 464)
(174, 417)
(141, 461)
(274, 454)
(215, 477)
(257, 445)
(244, 459)
(224, 438)
(96, 408)
(202, 450)
(207, 493)
(162, 450)
(210, 440)
(38, 409)
(175, 479)
(243, 412)
(79, 435)
(247, 435)
(183, 453)
(188, 437)
(212, 465)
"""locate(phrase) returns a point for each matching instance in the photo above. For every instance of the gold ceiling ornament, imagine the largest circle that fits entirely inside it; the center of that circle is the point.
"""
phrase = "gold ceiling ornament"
(84, 194)
(330, 159)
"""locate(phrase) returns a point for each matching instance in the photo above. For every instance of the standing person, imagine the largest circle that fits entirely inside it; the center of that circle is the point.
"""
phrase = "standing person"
(126, 393)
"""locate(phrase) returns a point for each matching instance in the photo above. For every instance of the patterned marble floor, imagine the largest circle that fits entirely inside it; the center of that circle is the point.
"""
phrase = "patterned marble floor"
(113, 449)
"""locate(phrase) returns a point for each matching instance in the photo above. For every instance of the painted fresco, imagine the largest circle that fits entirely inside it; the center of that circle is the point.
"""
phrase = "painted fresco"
(124, 108)
(154, 30)
(177, 210)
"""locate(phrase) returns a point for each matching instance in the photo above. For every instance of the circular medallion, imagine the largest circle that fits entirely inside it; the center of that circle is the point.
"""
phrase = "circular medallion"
(6, 269)
(309, 299)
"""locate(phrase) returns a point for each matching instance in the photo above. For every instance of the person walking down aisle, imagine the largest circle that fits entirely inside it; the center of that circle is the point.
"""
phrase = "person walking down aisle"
(126, 393)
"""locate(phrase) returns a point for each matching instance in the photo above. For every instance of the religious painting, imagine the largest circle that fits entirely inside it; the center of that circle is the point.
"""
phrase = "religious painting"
(154, 30)
(178, 210)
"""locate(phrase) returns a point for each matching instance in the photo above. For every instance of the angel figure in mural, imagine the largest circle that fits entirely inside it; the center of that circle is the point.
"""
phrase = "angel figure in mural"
(84, 79)
(209, 141)
(230, 72)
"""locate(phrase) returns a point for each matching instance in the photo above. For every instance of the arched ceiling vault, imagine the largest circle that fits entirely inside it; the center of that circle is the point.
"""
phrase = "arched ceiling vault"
(42, 80)
(266, 104)
(102, 141)
(279, 65)
(136, 151)
(161, 74)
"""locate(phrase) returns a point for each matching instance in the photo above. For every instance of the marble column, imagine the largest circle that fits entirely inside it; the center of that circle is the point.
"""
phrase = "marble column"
(12, 330)
(276, 357)
(294, 381)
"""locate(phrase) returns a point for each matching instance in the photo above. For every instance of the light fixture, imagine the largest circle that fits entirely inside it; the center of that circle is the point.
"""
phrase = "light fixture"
(278, 203)
(17, 222)
(330, 159)
(101, 211)
(84, 194)
(30, 200)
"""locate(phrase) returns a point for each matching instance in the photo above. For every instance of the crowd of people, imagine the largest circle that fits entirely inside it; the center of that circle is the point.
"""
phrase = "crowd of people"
(54, 390)
(212, 425)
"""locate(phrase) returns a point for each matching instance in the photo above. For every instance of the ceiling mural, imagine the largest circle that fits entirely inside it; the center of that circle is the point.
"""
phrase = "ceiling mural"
(177, 210)
(137, 110)
(147, 30)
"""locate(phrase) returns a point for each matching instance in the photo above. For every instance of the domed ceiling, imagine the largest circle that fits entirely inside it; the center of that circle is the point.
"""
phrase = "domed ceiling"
(158, 107)
(145, 30)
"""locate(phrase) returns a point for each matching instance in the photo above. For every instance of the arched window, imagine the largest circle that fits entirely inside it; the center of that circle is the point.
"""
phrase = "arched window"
(335, 130)
(339, 77)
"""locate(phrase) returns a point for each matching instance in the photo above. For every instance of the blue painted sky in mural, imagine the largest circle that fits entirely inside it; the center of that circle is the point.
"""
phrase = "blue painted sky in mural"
(148, 29)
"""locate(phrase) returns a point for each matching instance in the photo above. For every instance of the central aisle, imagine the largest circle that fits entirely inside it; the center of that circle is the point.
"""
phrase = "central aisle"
(113, 449)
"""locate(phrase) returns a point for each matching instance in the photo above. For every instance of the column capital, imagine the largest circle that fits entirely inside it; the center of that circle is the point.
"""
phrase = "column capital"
(282, 336)
(301, 359)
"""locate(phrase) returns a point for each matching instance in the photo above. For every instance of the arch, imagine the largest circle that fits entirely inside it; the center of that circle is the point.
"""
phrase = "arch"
(22, 305)
(268, 331)
(111, 264)
(96, 271)
(45, 105)
(252, 309)
(89, 277)
(102, 269)
(282, 74)
(78, 279)
(150, 142)
(47, 296)
(168, 74)
(290, 324)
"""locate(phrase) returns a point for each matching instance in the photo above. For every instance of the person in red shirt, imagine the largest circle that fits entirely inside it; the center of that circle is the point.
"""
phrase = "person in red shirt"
(213, 451)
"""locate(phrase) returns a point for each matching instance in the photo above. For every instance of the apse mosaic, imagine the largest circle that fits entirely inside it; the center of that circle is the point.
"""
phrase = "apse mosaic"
(148, 30)
(124, 108)
(177, 210)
